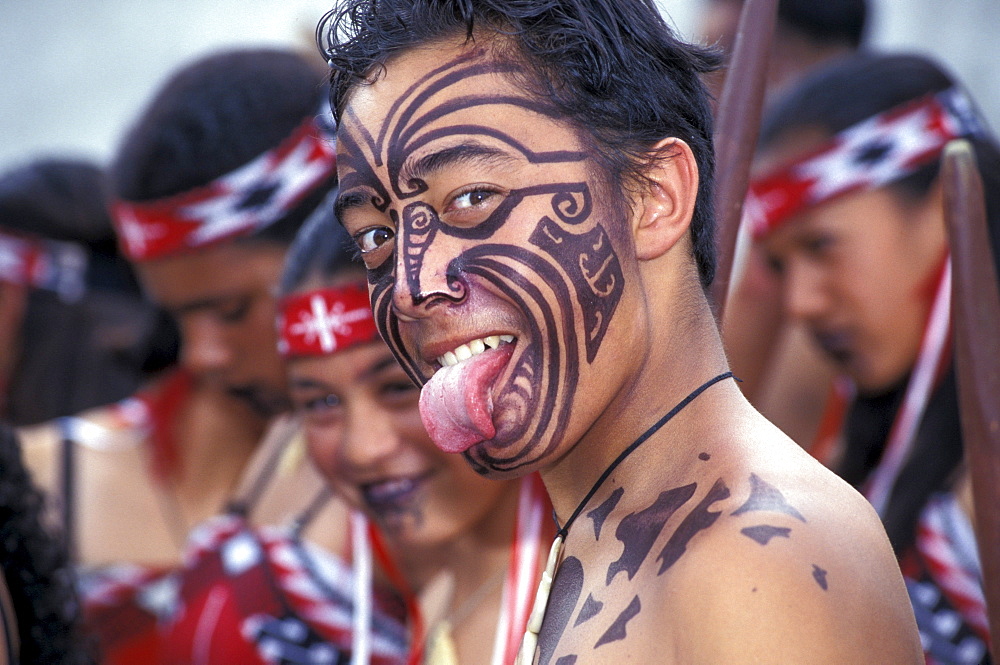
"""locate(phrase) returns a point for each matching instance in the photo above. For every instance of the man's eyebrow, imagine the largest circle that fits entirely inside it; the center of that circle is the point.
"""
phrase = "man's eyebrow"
(422, 167)
(464, 153)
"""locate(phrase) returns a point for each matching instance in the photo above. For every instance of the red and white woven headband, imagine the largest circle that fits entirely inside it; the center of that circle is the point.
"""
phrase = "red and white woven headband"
(241, 202)
(870, 154)
(324, 321)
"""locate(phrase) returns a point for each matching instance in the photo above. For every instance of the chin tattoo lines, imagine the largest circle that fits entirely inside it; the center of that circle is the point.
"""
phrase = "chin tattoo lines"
(693, 510)
(556, 265)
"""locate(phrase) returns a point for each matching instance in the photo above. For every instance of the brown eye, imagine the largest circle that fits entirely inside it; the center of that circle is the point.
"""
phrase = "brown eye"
(471, 199)
(374, 238)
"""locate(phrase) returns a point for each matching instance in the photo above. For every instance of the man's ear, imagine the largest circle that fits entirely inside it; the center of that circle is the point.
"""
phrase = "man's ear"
(667, 199)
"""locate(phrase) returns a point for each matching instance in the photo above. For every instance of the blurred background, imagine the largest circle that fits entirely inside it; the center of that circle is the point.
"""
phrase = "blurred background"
(75, 72)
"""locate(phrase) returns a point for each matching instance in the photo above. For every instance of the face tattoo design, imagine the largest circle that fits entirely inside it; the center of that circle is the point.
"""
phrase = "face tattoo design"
(524, 275)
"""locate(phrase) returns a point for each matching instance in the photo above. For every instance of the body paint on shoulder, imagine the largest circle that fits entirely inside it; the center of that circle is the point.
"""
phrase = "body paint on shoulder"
(591, 608)
(763, 533)
(819, 575)
(699, 519)
(638, 531)
(617, 631)
(765, 497)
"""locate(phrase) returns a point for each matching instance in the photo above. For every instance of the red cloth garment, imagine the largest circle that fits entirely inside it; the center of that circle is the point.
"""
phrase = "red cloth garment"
(243, 595)
(263, 596)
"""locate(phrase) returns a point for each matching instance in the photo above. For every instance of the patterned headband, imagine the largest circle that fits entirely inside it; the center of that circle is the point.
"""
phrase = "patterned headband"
(241, 202)
(870, 154)
(321, 322)
(39, 263)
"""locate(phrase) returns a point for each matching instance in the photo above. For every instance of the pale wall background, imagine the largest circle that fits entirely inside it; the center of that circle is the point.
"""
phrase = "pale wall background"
(73, 73)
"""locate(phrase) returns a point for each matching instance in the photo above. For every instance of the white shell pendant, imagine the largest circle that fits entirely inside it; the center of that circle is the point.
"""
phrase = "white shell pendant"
(530, 640)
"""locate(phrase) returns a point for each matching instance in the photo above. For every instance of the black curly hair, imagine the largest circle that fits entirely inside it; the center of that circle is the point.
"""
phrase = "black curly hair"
(36, 568)
(613, 68)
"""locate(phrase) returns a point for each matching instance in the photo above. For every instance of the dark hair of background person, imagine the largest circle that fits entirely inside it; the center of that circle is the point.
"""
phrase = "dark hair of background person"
(36, 569)
(612, 67)
(321, 250)
(832, 99)
(826, 21)
(95, 349)
(214, 116)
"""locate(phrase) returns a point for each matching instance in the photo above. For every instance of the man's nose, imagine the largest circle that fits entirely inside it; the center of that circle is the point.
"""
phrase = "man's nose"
(426, 276)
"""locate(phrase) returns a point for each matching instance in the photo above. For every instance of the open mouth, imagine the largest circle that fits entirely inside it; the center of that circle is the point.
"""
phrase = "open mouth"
(456, 403)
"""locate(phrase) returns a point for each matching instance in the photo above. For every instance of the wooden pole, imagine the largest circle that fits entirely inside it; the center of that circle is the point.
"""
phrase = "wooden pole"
(976, 319)
(737, 126)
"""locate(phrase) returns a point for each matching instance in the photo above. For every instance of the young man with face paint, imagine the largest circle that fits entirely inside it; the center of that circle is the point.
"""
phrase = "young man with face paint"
(528, 184)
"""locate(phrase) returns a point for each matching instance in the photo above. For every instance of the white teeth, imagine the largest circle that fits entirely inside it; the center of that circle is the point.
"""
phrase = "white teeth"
(473, 348)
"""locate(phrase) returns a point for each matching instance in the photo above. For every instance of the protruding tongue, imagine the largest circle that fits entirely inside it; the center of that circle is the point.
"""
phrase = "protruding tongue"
(456, 405)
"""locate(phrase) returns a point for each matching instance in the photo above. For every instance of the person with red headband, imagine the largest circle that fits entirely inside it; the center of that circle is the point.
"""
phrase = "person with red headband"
(76, 331)
(87, 366)
(203, 533)
(846, 204)
(465, 551)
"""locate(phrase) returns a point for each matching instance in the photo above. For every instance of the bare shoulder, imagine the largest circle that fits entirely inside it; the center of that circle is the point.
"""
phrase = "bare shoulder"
(750, 552)
(798, 569)
(101, 437)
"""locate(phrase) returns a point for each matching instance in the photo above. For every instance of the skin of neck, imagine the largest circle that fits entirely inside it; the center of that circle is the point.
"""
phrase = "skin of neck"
(209, 474)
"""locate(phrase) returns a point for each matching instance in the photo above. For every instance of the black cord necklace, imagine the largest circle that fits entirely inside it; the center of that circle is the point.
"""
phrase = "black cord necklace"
(530, 640)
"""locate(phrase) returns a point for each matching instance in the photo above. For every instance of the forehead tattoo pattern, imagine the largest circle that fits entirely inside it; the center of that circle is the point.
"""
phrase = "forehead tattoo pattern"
(570, 271)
